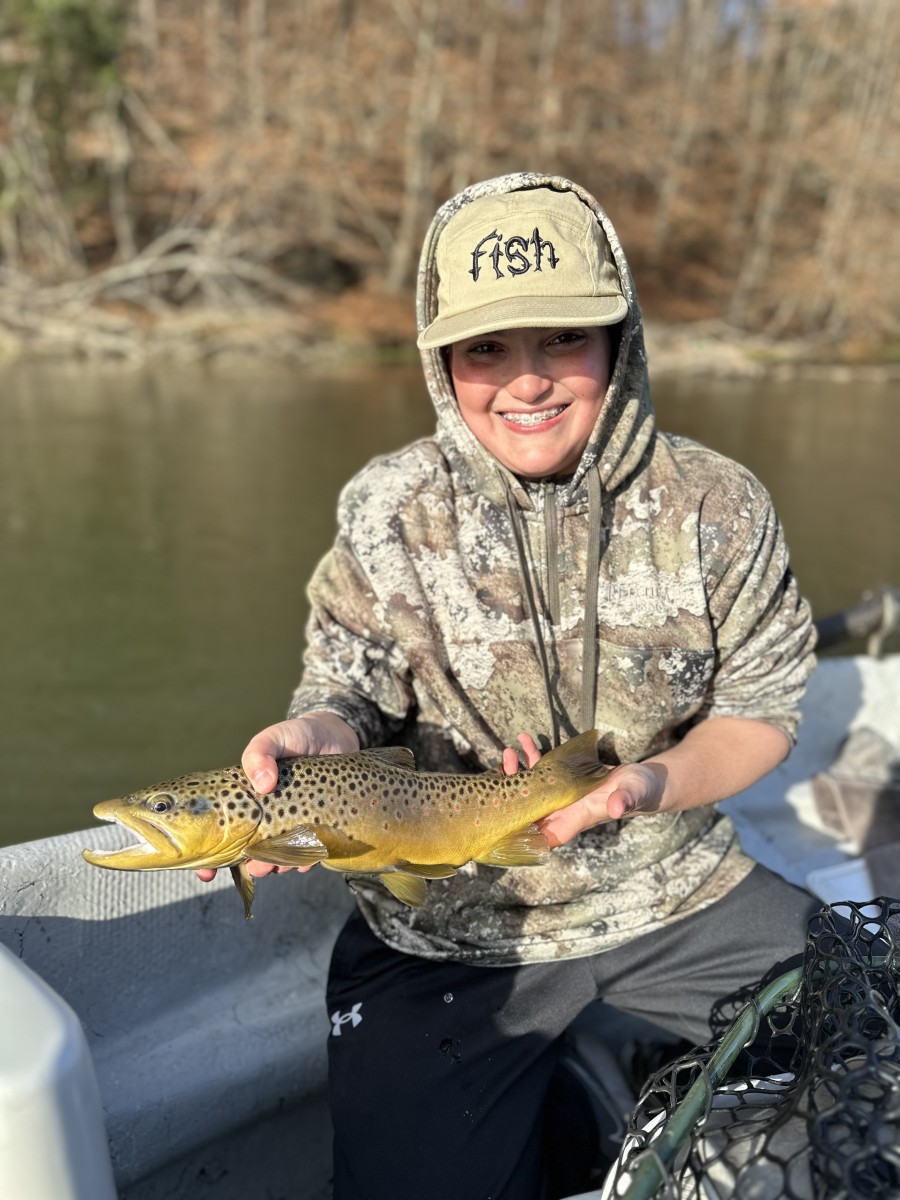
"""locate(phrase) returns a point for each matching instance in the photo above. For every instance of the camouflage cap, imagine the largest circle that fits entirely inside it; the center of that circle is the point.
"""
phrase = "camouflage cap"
(537, 257)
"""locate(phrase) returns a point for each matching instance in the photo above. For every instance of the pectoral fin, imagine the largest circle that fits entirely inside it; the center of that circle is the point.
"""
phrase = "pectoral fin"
(297, 847)
(246, 885)
(525, 848)
(411, 889)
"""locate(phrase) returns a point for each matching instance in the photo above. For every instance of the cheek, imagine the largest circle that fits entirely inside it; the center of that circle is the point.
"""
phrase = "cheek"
(472, 400)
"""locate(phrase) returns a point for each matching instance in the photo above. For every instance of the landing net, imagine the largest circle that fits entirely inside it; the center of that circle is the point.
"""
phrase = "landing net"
(800, 1099)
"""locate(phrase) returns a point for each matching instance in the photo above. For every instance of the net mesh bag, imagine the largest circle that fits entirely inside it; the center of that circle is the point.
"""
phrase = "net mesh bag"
(800, 1099)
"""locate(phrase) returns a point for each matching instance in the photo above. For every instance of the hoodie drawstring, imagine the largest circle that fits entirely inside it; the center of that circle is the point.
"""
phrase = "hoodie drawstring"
(553, 605)
(594, 551)
(515, 520)
(591, 588)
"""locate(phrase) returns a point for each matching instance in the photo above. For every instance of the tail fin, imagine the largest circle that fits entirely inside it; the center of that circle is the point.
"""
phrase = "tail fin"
(576, 761)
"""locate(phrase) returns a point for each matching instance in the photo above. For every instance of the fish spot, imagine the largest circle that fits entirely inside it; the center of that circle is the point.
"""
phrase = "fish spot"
(354, 811)
(268, 818)
(321, 804)
(281, 812)
(221, 821)
(293, 810)
(232, 806)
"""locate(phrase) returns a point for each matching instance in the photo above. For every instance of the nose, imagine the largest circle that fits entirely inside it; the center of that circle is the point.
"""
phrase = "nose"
(529, 381)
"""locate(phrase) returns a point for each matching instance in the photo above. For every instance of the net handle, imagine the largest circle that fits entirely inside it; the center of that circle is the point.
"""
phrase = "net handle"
(650, 1174)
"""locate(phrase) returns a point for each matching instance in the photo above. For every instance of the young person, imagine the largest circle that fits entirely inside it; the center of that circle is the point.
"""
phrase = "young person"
(548, 562)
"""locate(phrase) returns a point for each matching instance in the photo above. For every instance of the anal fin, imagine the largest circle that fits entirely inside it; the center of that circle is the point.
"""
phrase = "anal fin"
(524, 848)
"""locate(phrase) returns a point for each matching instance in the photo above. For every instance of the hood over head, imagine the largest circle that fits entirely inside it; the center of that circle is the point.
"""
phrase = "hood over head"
(532, 284)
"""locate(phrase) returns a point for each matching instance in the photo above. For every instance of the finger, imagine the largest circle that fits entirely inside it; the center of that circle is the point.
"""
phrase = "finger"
(261, 770)
(621, 803)
(561, 826)
(530, 749)
(259, 758)
(259, 869)
(510, 762)
(207, 874)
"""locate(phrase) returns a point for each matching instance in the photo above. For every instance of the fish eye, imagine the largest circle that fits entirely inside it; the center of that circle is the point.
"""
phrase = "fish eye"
(160, 802)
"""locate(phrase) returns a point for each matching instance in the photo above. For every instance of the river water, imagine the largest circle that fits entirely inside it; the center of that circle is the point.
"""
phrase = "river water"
(158, 527)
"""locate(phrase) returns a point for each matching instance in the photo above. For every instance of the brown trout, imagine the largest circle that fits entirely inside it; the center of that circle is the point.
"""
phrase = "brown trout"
(368, 813)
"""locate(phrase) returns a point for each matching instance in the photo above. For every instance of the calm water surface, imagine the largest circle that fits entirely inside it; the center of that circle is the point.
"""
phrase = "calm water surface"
(157, 529)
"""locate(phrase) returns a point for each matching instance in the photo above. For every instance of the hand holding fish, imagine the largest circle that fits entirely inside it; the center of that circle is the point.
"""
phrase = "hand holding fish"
(715, 759)
(316, 733)
(637, 787)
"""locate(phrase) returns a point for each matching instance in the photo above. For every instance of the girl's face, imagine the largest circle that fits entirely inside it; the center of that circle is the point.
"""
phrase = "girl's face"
(532, 396)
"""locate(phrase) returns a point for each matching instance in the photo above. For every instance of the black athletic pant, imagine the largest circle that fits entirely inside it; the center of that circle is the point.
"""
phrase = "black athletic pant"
(438, 1071)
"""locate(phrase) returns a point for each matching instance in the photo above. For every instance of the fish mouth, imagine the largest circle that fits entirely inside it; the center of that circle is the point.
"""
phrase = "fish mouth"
(153, 842)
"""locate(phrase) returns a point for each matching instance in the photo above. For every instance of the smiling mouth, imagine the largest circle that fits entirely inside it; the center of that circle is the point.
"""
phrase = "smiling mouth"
(532, 418)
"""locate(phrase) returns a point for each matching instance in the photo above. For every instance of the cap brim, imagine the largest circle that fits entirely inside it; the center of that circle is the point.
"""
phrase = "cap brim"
(521, 313)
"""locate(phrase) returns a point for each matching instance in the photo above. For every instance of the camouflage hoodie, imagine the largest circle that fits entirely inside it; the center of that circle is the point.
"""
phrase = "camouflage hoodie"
(461, 606)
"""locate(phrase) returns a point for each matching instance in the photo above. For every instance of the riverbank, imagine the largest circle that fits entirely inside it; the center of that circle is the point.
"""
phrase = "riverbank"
(365, 325)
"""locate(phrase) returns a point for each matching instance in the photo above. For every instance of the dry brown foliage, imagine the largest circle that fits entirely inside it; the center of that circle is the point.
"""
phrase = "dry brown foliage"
(274, 155)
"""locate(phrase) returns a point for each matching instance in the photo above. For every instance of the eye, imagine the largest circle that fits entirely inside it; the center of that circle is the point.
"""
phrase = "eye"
(568, 337)
(483, 349)
(160, 802)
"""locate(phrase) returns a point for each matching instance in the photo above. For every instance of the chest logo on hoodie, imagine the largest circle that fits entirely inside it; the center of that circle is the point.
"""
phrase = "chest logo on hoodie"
(518, 254)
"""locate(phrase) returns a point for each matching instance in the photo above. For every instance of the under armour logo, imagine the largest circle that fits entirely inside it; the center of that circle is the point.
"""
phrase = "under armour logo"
(338, 1019)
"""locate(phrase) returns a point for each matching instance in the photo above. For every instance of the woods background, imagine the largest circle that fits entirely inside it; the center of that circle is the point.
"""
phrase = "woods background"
(263, 170)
